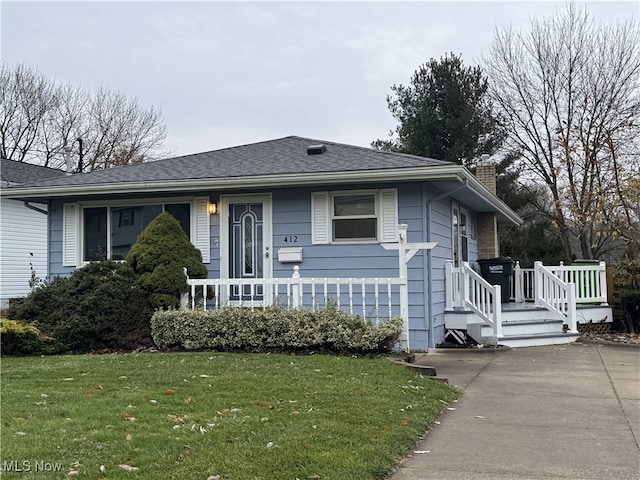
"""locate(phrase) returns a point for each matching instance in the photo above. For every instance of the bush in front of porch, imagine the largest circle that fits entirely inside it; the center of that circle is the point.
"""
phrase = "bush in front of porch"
(273, 329)
(98, 307)
(158, 257)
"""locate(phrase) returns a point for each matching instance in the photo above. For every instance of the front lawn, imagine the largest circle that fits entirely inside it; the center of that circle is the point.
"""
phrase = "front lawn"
(196, 415)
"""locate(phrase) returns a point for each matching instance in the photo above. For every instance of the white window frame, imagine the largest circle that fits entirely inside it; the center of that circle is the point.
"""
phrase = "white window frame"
(457, 239)
(73, 224)
(385, 211)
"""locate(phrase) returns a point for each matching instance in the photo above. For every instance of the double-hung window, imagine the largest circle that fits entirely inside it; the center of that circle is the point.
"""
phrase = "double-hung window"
(354, 217)
(362, 216)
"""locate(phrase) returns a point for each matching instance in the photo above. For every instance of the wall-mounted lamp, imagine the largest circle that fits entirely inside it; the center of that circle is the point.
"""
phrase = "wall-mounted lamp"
(212, 208)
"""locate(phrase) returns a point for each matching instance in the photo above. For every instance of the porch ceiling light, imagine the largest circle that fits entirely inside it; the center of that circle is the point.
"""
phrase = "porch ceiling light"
(212, 208)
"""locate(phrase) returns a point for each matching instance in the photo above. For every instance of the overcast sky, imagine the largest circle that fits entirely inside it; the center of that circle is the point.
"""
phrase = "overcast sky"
(231, 73)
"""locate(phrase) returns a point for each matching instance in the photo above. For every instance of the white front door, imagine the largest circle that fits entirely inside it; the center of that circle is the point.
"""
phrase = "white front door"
(245, 247)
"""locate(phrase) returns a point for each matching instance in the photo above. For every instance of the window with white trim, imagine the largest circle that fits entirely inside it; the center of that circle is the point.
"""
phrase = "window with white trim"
(109, 231)
(354, 216)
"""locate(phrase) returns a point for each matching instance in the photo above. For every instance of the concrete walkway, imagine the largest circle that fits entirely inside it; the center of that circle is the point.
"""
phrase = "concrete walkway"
(556, 412)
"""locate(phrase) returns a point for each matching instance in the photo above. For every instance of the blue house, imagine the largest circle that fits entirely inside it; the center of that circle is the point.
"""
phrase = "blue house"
(265, 213)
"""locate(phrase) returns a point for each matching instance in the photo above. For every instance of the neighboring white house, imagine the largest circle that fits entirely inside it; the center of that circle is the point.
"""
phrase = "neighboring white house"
(23, 231)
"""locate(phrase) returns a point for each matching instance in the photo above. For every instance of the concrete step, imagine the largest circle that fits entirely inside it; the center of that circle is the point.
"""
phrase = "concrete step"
(536, 340)
(526, 333)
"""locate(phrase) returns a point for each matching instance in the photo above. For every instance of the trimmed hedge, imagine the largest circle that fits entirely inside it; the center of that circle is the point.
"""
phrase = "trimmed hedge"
(272, 329)
(17, 338)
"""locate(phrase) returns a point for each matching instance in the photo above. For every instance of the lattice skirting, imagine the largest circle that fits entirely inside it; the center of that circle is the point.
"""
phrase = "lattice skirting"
(600, 328)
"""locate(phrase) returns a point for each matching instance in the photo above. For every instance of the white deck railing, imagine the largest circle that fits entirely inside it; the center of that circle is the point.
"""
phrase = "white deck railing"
(590, 281)
(555, 294)
(374, 299)
(557, 288)
(466, 289)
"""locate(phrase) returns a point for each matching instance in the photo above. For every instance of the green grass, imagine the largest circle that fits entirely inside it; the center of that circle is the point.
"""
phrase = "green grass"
(192, 415)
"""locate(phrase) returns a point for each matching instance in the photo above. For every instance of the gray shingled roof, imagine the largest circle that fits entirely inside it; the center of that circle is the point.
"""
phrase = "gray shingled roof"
(19, 173)
(282, 156)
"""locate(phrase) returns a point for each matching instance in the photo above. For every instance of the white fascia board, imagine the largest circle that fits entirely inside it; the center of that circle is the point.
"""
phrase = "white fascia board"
(479, 189)
(224, 183)
(439, 172)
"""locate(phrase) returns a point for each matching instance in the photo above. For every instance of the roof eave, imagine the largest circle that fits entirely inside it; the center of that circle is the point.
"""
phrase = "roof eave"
(439, 172)
(223, 183)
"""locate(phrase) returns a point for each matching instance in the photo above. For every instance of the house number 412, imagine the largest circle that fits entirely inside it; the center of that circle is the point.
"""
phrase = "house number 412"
(291, 239)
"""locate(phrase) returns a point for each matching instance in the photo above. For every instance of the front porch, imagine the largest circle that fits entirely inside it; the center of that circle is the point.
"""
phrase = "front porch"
(546, 305)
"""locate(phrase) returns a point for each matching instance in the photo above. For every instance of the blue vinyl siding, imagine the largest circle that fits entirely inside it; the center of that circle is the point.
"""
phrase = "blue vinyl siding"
(291, 216)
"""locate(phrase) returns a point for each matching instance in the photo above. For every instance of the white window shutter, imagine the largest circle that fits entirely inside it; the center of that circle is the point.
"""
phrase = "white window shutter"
(320, 221)
(389, 215)
(201, 232)
(70, 234)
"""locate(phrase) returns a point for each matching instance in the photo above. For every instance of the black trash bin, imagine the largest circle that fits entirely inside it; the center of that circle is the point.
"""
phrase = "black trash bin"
(497, 271)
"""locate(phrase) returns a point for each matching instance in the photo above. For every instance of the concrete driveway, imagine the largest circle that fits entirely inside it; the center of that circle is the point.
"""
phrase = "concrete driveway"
(556, 412)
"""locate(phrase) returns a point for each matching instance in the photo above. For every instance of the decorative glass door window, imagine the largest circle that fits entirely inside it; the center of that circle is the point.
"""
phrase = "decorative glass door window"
(246, 238)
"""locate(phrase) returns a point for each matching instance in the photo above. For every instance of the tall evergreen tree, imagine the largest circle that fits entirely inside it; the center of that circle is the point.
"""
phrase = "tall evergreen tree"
(444, 113)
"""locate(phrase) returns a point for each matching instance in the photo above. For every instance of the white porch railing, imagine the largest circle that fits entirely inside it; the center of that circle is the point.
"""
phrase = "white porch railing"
(374, 299)
(590, 281)
(557, 288)
(555, 294)
(466, 289)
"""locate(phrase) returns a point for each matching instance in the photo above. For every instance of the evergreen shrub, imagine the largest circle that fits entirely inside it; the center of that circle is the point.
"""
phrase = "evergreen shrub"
(272, 329)
(100, 306)
(158, 258)
(18, 338)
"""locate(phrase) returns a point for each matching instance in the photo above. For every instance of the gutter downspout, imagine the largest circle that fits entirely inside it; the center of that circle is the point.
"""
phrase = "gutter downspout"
(33, 207)
(428, 258)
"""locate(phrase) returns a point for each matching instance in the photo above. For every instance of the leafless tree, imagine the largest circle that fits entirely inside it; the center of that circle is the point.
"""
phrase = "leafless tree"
(39, 117)
(568, 92)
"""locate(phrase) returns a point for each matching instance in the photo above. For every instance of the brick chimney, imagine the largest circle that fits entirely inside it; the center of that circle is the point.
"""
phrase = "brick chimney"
(487, 223)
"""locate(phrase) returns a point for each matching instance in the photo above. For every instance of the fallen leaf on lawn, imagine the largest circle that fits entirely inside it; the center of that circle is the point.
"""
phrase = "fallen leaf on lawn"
(169, 392)
(313, 476)
(67, 379)
(419, 452)
(189, 400)
(183, 361)
(437, 422)
(213, 477)
(88, 395)
(451, 408)
(128, 437)
(404, 422)
(21, 434)
(102, 469)
(73, 473)
(270, 445)
(98, 387)
(205, 376)
(386, 427)
(128, 468)
(178, 420)
(153, 402)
